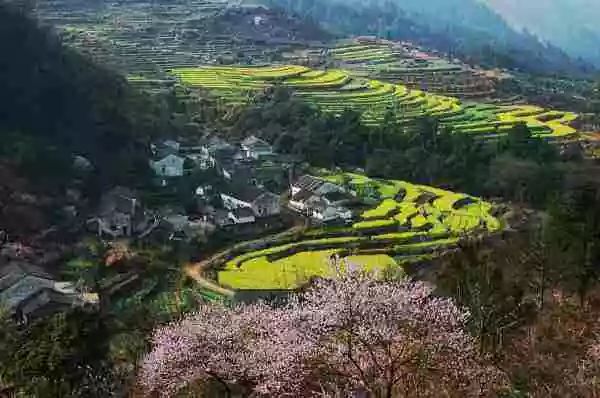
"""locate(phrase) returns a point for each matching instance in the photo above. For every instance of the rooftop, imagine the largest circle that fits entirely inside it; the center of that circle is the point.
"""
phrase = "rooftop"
(254, 141)
(308, 183)
(246, 192)
(243, 212)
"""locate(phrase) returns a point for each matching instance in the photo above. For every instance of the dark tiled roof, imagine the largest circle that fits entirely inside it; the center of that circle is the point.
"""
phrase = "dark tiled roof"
(301, 196)
(308, 183)
(22, 289)
(254, 141)
(243, 212)
(246, 192)
(13, 272)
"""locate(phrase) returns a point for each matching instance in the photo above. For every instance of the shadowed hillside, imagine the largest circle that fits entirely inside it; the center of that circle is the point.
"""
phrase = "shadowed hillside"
(55, 104)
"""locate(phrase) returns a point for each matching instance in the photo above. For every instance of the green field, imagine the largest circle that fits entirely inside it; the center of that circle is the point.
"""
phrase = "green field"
(336, 90)
(402, 227)
(404, 63)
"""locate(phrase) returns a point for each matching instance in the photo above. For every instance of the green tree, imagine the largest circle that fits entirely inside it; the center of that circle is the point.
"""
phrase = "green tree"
(55, 356)
(573, 234)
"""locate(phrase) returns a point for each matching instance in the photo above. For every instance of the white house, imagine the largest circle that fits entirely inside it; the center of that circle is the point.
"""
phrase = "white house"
(320, 209)
(242, 215)
(254, 147)
(120, 215)
(320, 200)
(181, 227)
(27, 292)
(314, 185)
(262, 202)
(308, 186)
(169, 166)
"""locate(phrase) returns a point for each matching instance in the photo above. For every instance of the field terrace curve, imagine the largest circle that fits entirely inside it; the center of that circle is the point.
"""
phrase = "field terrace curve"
(405, 63)
(394, 223)
(335, 90)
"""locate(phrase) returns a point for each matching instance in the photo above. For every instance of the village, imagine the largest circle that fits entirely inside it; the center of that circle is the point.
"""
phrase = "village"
(199, 189)
(239, 188)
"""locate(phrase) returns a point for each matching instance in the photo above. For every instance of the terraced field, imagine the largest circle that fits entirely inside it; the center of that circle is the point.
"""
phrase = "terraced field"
(144, 38)
(405, 223)
(335, 90)
(406, 64)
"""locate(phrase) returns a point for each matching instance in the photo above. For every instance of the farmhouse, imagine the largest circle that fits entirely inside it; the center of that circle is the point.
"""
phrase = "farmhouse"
(320, 200)
(314, 185)
(27, 292)
(320, 209)
(120, 215)
(242, 215)
(169, 166)
(262, 202)
(179, 227)
(254, 147)
(237, 216)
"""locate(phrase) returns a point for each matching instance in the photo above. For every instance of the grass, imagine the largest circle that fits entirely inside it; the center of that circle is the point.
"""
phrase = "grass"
(285, 274)
(294, 271)
(373, 224)
(382, 210)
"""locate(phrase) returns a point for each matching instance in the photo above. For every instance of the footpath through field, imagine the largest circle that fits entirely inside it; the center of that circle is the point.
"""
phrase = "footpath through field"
(196, 270)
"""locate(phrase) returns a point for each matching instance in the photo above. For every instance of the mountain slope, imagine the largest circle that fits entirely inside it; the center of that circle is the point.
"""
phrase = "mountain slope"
(466, 28)
(570, 24)
(53, 100)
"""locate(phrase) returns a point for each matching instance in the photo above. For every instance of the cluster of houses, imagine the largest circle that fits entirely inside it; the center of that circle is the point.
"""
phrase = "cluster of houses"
(237, 197)
(240, 184)
(27, 291)
(321, 200)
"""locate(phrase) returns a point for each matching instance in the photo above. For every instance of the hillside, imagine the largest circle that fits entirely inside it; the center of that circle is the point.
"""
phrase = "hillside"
(56, 105)
(464, 28)
(140, 38)
(337, 90)
(569, 24)
(61, 99)
(403, 62)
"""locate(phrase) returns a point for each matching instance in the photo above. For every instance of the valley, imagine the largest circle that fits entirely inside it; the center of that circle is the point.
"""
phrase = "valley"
(269, 198)
(236, 52)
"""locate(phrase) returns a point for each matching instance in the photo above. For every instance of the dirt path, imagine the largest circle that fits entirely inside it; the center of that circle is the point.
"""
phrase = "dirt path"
(196, 270)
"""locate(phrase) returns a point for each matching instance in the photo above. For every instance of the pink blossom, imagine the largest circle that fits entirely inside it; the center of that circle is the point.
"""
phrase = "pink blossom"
(350, 335)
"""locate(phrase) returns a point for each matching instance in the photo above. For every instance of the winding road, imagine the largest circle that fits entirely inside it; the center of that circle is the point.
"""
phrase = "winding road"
(196, 270)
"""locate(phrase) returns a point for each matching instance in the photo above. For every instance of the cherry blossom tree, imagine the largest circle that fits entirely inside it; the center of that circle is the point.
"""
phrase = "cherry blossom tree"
(391, 339)
(254, 347)
(352, 335)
